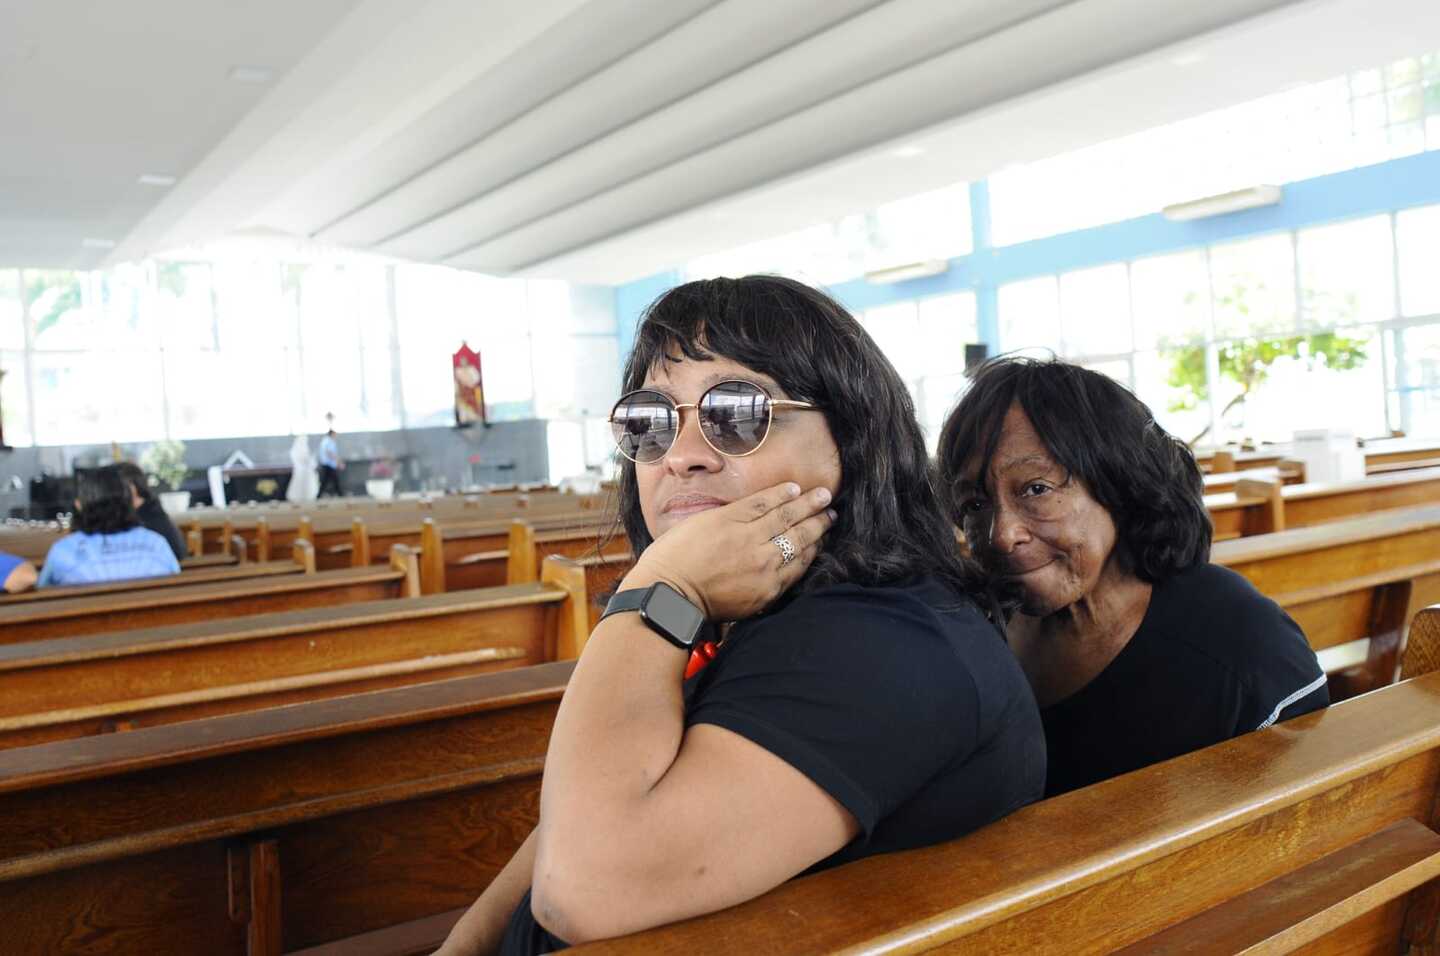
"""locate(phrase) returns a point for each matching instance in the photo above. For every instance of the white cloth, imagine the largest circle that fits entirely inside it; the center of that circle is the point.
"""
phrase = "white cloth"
(304, 480)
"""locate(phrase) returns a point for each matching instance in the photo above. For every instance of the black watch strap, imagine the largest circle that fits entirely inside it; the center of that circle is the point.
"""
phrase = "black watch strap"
(625, 601)
(664, 610)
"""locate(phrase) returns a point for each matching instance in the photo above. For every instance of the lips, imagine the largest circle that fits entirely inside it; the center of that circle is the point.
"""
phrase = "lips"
(684, 504)
(1022, 570)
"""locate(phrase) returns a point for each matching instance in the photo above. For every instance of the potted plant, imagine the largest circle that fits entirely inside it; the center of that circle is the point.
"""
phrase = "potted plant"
(381, 483)
(164, 462)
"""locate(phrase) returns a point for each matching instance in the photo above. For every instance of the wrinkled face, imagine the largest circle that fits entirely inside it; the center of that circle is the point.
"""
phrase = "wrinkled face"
(1038, 530)
(692, 477)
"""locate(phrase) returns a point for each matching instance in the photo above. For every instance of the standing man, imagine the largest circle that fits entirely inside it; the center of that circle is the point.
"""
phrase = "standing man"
(330, 465)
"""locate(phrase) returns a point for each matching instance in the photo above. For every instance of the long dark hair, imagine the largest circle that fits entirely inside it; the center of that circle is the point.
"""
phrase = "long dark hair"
(890, 526)
(104, 501)
(1102, 435)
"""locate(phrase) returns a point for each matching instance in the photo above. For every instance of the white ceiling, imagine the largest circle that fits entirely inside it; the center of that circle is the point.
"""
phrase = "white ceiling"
(596, 140)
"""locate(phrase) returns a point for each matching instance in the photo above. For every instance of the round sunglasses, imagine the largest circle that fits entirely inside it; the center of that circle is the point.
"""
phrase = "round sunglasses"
(734, 420)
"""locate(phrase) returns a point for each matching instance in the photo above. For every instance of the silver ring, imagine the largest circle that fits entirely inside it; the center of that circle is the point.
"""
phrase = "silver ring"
(787, 549)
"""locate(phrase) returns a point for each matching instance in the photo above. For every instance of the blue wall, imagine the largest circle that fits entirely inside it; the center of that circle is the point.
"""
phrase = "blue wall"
(1370, 190)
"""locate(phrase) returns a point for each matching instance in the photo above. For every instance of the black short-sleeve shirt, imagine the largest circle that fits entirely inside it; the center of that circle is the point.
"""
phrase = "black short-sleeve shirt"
(903, 703)
(1213, 658)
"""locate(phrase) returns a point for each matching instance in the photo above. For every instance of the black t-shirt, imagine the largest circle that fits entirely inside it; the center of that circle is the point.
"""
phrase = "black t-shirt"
(903, 703)
(1213, 658)
(154, 517)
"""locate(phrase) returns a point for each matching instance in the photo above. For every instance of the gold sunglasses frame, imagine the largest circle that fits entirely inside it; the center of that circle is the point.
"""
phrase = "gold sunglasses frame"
(679, 406)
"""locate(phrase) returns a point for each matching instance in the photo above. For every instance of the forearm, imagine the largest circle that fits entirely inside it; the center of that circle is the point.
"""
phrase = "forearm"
(483, 926)
(617, 733)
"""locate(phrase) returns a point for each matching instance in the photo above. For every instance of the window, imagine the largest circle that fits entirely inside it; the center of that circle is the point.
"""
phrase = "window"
(1418, 239)
(12, 311)
(1030, 314)
(1347, 273)
(1095, 311)
(97, 397)
(1253, 284)
(1171, 296)
(14, 403)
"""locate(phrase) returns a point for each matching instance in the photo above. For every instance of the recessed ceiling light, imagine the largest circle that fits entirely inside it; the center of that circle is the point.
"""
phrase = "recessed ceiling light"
(908, 152)
(98, 243)
(156, 179)
(250, 74)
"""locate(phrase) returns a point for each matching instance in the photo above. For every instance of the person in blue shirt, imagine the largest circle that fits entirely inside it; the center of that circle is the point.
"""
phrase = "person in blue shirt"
(108, 543)
(330, 465)
(16, 574)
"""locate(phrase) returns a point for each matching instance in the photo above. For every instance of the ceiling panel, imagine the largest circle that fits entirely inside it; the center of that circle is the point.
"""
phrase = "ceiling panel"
(591, 139)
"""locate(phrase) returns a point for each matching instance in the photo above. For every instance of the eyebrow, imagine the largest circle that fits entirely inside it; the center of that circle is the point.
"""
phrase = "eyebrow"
(715, 378)
(969, 485)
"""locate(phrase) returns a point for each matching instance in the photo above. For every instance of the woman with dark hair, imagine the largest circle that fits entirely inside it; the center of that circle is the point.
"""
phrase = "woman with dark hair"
(1090, 519)
(107, 542)
(148, 510)
(807, 680)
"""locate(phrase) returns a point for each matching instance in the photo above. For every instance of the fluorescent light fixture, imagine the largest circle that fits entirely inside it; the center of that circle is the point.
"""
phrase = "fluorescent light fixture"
(156, 179)
(904, 273)
(98, 243)
(251, 74)
(908, 152)
(1237, 201)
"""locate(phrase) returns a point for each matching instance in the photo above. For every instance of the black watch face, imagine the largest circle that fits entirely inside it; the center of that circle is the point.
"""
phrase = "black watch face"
(670, 610)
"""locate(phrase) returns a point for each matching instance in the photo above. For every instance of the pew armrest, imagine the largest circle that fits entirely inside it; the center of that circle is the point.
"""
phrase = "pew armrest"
(404, 559)
(1299, 907)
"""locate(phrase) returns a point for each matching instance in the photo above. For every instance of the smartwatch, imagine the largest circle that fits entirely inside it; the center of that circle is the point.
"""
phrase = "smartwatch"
(664, 610)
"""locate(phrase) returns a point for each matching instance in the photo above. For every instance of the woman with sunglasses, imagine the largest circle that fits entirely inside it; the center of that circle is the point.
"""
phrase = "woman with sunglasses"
(793, 675)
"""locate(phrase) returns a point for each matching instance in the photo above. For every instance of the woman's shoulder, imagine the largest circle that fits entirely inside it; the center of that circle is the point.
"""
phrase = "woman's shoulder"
(1222, 615)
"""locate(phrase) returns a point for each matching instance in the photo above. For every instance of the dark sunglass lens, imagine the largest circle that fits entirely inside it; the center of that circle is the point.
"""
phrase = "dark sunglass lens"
(735, 417)
(644, 425)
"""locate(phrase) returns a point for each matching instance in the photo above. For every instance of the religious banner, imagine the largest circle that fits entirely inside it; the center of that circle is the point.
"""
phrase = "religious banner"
(469, 393)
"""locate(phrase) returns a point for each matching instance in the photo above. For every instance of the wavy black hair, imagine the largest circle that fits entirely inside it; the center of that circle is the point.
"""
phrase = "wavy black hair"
(137, 479)
(890, 526)
(104, 504)
(1099, 433)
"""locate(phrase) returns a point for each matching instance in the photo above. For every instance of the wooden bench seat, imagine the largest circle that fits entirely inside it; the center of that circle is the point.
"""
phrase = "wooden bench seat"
(368, 822)
(1317, 831)
(456, 557)
(182, 604)
(302, 560)
(78, 686)
(273, 831)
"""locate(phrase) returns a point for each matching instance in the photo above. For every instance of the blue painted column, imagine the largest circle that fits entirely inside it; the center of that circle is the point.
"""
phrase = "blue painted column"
(631, 301)
(987, 293)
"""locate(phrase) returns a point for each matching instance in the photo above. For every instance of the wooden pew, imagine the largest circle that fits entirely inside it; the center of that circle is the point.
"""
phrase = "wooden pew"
(1287, 472)
(1317, 832)
(455, 557)
(302, 561)
(275, 831)
(1261, 506)
(1348, 580)
(386, 820)
(81, 686)
(604, 561)
(184, 604)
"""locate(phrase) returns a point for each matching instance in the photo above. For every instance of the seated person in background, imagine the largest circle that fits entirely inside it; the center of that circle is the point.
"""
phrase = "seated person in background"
(1090, 519)
(16, 574)
(860, 703)
(107, 543)
(148, 510)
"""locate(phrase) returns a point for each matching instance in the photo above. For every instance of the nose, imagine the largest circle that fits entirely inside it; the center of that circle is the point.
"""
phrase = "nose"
(1007, 531)
(691, 453)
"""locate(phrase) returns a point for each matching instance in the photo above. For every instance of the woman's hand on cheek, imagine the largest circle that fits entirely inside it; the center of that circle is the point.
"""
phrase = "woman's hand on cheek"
(726, 561)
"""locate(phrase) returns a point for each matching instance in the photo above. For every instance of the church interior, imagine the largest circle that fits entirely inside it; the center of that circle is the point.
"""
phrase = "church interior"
(1053, 565)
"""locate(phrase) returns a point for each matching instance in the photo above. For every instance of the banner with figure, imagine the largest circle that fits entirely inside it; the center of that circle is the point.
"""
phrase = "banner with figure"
(469, 392)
